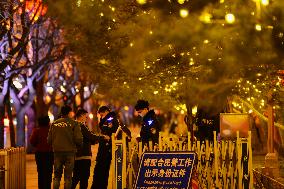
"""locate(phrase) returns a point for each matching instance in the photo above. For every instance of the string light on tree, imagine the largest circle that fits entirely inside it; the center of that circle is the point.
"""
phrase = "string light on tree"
(141, 2)
(206, 17)
(181, 1)
(183, 13)
(230, 18)
(265, 2)
(258, 27)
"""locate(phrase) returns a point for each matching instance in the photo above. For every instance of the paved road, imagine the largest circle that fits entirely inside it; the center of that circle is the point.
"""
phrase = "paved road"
(32, 172)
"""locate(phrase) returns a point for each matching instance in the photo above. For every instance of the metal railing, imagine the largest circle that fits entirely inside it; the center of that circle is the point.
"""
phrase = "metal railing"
(221, 164)
(13, 168)
(265, 182)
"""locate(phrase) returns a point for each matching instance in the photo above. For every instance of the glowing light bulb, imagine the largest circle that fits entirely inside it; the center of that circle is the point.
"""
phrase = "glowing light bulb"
(91, 116)
(258, 27)
(181, 1)
(230, 18)
(141, 2)
(183, 13)
(206, 17)
(265, 2)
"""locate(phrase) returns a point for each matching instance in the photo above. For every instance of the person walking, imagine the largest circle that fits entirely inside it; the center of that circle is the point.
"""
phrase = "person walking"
(81, 172)
(64, 136)
(150, 125)
(43, 153)
(108, 125)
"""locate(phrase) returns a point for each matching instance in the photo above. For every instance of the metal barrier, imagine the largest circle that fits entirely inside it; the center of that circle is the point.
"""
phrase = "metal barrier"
(220, 164)
(13, 168)
(264, 182)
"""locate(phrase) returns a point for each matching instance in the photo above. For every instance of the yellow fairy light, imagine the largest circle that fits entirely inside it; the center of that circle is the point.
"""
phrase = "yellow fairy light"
(194, 110)
(206, 41)
(265, 2)
(258, 27)
(156, 92)
(151, 32)
(181, 1)
(101, 14)
(205, 17)
(141, 2)
(131, 44)
(230, 18)
(91, 116)
(183, 13)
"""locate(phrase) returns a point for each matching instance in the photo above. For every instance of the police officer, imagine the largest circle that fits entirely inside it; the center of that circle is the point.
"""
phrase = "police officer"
(150, 124)
(64, 136)
(108, 125)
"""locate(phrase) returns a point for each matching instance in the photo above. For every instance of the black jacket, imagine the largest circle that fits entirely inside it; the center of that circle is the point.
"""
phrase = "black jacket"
(89, 138)
(150, 121)
(104, 125)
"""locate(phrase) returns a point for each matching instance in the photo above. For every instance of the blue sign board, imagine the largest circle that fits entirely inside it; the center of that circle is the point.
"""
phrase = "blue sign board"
(118, 166)
(165, 170)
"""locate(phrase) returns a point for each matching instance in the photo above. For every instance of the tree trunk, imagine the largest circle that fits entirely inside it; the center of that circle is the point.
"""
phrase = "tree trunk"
(11, 125)
(31, 114)
(189, 121)
(41, 107)
(21, 135)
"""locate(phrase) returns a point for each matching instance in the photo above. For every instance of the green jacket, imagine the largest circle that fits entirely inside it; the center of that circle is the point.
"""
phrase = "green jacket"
(65, 135)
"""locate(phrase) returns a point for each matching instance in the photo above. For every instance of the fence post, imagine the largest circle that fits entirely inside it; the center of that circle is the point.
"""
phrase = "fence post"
(250, 160)
(239, 155)
(216, 159)
(189, 142)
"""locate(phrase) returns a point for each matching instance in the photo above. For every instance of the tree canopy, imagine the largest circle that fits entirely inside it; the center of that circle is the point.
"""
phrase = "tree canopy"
(190, 52)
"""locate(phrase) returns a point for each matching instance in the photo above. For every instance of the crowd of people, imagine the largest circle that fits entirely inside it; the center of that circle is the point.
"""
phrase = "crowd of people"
(65, 145)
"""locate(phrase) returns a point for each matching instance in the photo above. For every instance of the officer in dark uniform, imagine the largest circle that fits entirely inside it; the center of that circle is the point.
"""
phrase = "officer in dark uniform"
(150, 124)
(108, 125)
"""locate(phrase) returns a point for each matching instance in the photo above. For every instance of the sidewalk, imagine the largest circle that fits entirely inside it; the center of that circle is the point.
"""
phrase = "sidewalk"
(31, 176)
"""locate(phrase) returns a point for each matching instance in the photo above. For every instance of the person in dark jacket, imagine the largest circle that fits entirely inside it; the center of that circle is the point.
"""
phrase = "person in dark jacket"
(81, 172)
(65, 136)
(43, 153)
(150, 124)
(108, 125)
